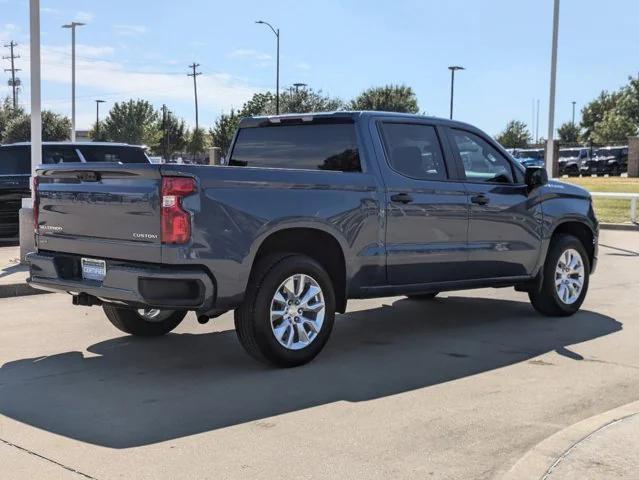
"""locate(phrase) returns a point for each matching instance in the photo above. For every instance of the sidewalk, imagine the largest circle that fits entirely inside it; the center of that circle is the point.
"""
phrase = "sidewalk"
(13, 276)
(600, 448)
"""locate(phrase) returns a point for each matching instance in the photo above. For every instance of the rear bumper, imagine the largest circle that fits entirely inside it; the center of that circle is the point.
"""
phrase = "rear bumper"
(126, 282)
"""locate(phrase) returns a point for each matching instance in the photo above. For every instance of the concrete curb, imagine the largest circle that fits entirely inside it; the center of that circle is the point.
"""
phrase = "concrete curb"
(619, 226)
(538, 462)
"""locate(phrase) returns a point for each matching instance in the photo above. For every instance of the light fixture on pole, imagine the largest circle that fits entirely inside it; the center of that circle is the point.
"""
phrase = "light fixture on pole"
(276, 31)
(453, 69)
(97, 117)
(73, 26)
(299, 85)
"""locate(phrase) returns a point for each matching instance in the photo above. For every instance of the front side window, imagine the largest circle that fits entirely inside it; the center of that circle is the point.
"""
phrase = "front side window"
(414, 150)
(331, 146)
(481, 161)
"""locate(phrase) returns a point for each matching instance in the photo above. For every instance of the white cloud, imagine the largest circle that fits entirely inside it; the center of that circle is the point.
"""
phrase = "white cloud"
(250, 54)
(129, 30)
(84, 17)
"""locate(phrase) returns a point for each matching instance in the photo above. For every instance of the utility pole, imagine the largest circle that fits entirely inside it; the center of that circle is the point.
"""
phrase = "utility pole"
(73, 26)
(537, 127)
(195, 75)
(453, 69)
(166, 132)
(553, 80)
(573, 113)
(97, 117)
(276, 31)
(14, 83)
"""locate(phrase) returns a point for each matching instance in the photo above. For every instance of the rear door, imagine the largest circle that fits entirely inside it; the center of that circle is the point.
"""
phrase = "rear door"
(427, 212)
(104, 210)
(504, 235)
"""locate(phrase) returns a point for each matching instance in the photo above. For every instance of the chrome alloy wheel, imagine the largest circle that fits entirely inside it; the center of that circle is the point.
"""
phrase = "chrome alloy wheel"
(154, 314)
(297, 311)
(569, 276)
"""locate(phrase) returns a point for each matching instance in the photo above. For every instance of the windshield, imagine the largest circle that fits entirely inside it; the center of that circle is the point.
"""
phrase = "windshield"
(608, 152)
(531, 154)
(569, 153)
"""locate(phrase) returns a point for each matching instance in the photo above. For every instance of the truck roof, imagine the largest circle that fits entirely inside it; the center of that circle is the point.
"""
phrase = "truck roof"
(88, 144)
(260, 121)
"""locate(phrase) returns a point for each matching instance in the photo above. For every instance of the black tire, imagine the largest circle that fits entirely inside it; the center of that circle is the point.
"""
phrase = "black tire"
(252, 319)
(423, 296)
(546, 300)
(129, 321)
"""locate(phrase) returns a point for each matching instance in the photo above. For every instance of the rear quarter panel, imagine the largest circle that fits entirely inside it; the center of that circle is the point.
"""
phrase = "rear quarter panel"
(239, 207)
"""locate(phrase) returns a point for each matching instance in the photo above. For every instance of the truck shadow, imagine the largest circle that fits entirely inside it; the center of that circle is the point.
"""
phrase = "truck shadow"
(134, 392)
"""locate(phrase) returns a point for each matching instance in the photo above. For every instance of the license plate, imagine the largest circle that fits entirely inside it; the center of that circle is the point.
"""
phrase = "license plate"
(93, 269)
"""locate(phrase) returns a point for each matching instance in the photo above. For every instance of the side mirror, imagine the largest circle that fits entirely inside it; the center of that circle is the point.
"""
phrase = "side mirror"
(536, 177)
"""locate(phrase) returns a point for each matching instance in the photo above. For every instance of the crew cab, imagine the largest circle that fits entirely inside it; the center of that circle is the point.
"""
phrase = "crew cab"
(311, 210)
(15, 168)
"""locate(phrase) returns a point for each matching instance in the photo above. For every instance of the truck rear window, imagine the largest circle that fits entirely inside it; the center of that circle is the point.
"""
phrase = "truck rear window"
(15, 160)
(308, 147)
(113, 154)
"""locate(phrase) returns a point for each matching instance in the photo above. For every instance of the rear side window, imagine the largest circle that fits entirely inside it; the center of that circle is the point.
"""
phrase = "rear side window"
(52, 155)
(113, 154)
(309, 147)
(414, 150)
(15, 160)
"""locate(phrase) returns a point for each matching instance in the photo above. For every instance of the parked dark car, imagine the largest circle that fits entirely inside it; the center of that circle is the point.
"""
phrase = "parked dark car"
(571, 160)
(15, 170)
(530, 157)
(311, 211)
(607, 160)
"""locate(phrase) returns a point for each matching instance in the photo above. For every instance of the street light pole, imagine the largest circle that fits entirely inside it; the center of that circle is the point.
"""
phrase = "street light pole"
(573, 113)
(36, 93)
(97, 116)
(453, 69)
(298, 85)
(73, 26)
(276, 31)
(550, 157)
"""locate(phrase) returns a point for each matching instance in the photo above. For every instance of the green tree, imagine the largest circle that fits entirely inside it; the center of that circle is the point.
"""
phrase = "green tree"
(594, 112)
(389, 98)
(568, 133)
(516, 135)
(98, 134)
(199, 142)
(134, 122)
(174, 136)
(305, 100)
(613, 128)
(55, 128)
(628, 102)
(7, 113)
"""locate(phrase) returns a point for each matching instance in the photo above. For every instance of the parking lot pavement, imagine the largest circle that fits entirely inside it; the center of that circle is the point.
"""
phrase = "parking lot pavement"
(461, 387)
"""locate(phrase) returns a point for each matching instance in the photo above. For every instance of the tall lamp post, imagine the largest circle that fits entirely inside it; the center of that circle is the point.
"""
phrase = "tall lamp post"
(550, 156)
(97, 117)
(299, 85)
(73, 26)
(453, 69)
(573, 113)
(276, 31)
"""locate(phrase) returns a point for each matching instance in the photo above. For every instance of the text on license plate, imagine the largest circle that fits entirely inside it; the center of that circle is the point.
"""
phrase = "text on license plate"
(93, 269)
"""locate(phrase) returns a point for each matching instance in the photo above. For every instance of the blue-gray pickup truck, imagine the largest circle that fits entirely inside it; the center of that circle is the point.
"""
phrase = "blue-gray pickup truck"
(307, 212)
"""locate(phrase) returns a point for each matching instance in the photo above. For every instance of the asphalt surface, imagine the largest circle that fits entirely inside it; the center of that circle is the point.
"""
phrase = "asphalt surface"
(462, 387)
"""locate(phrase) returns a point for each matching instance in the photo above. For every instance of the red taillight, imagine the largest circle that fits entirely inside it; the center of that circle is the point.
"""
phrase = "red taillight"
(176, 222)
(36, 203)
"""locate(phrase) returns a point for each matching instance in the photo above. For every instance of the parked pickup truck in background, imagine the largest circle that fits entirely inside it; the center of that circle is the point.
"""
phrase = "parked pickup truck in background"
(610, 160)
(15, 170)
(311, 211)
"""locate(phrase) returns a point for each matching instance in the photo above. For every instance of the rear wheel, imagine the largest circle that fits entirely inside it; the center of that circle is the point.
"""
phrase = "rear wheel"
(565, 278)
(148, 322)
(288, 312)
(423, 296)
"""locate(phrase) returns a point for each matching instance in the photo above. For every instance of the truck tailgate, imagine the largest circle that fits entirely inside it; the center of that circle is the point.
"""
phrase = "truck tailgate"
(102, 210)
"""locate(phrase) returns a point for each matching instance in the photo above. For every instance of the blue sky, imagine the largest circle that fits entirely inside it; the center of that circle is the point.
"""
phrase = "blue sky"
(141, 49)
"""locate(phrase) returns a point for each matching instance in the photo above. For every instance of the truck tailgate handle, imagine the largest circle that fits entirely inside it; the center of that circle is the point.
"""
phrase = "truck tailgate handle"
(401, 198)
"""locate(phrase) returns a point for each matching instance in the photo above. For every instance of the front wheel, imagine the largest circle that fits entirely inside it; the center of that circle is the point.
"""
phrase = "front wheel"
(565, 278)
(288, 312)
(148, 322)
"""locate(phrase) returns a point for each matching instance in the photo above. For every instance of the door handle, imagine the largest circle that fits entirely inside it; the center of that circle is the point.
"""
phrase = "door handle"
(480, 199)
(401, 198)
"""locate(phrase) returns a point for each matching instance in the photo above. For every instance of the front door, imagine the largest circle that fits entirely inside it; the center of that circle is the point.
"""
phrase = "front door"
(427, 212)
(504, 235)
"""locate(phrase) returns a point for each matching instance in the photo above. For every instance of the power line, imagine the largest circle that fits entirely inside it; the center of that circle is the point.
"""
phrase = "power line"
(14, 83)
(195, 74)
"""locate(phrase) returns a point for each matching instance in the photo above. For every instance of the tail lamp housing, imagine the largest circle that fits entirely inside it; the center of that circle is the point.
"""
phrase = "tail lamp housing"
(176, 222)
